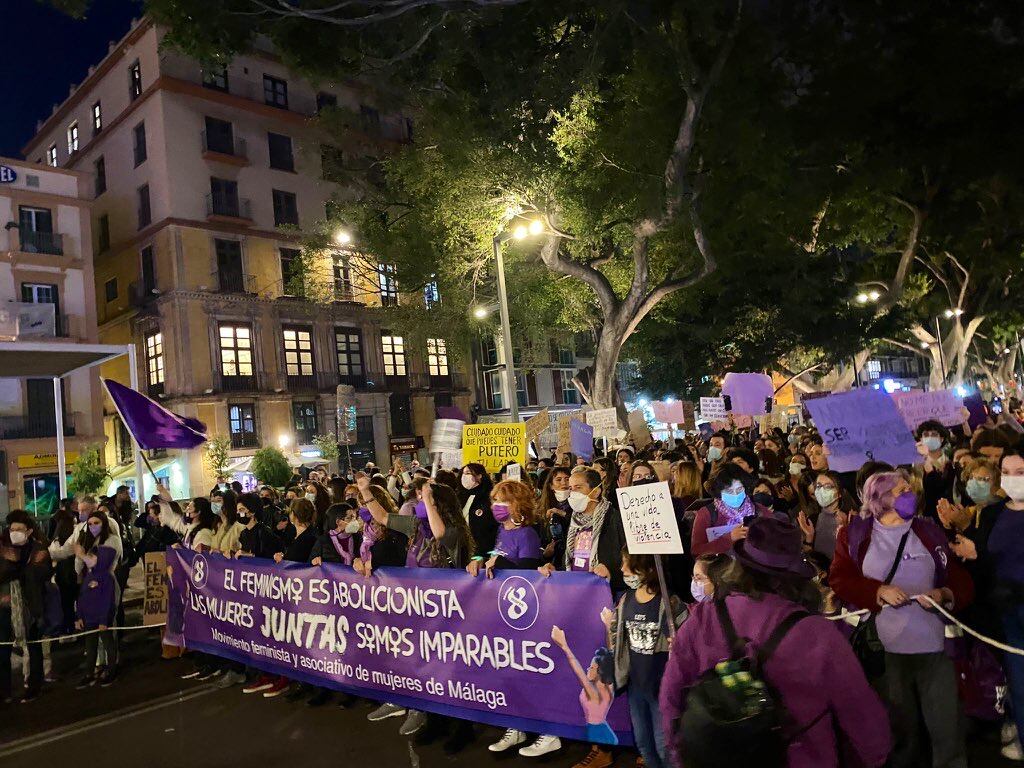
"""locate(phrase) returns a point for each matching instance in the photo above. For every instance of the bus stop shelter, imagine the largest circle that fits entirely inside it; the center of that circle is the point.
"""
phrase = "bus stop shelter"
(55, 360)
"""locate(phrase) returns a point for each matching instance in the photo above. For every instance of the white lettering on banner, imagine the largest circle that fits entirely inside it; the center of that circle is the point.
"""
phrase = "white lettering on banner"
(649, 520)
(713, 408)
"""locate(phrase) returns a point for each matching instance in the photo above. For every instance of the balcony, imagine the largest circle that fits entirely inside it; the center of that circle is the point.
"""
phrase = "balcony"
(327, 380)
(228, 207)
(229, 149)
(141, 295)
(234, 282)
(301, 383)
(255, 382)
(42, 242)
(34, 426)
(244, 440)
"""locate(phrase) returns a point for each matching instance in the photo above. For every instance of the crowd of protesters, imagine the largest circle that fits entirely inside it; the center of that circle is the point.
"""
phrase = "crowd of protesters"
(779, 546)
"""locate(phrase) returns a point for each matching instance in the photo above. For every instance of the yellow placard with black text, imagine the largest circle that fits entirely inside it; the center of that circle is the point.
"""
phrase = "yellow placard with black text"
(494, 445)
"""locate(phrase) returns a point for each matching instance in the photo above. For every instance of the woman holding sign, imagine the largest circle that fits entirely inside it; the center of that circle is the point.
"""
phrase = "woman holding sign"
(725, 520)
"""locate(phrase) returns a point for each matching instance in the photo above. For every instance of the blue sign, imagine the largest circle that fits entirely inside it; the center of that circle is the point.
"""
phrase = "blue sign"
(7, 174)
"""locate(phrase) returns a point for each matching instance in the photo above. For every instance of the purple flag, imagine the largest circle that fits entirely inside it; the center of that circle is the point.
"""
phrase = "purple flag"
(152, 425)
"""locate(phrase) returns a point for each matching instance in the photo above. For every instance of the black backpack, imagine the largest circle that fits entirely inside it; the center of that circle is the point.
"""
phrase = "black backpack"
(733, 717)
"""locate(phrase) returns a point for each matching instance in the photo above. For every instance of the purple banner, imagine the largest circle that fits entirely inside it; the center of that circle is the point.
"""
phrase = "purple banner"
(581, 439)
(437, 640)
(152, 425)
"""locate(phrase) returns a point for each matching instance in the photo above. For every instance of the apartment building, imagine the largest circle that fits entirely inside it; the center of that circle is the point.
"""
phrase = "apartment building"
(204, 182)
(46, 295)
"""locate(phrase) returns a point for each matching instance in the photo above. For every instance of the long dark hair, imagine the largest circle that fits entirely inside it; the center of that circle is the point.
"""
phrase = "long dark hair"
(205, 516)
(448, 507)
(229, 506)
(484, 489)
(86, 539)
(547, 496)
(738, 579)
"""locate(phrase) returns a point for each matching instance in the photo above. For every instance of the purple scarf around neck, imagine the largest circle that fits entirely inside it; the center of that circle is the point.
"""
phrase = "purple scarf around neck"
(730, 515)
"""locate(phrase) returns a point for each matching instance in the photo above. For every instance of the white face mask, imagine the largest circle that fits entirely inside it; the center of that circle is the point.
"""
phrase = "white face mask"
(18, 538)
(216, 506)
(352, 527)
(632, 581)
(578, 501)
(825, 496)
(561, 495)
(469, 482)
(1013, 485)
(795, 468)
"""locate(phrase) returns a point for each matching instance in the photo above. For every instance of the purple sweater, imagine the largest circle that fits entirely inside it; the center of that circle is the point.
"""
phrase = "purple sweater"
(813, 670)
(518, 544)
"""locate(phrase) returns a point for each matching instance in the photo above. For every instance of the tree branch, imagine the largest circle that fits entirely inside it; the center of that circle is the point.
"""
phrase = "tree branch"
(553, 260)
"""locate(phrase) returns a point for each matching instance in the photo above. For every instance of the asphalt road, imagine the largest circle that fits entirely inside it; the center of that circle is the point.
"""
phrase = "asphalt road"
(150, 717)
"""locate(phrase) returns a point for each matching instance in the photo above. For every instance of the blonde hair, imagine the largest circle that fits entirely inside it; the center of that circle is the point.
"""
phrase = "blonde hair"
(687, 481)
(982, 463)
(519, 494)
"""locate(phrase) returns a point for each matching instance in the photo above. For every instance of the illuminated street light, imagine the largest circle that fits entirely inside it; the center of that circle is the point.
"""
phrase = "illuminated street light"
(481, 312)
(284, 440)
(536, 227)
(520, 232)
(342, 237)
(924, 345)
(862, 298)
(874, 295)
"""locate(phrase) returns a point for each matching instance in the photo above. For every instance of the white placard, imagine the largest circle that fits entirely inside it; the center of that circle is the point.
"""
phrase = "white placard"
(605, 422)
(514, 472)
(649, 520)
(713, 409)
(450, 459)
(446, 435)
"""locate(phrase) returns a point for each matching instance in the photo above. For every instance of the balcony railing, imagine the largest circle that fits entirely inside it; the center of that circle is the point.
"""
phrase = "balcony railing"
(301, 383)
(42, 242)
(34, 425)
(234, 282)
(244, 440)
(224, 145)
(140, 294)
(327, 380)
(226, 205)
(255, 382)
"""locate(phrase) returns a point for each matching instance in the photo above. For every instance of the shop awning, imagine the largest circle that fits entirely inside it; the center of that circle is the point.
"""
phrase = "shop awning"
(51, 360)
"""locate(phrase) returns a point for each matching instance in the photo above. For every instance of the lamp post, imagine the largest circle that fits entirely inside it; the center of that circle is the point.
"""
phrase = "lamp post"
(535, 227)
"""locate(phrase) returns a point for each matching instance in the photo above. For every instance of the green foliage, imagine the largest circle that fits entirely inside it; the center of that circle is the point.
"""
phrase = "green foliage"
(87, 473)
(216, 454)
(328, 445)
(270, 467)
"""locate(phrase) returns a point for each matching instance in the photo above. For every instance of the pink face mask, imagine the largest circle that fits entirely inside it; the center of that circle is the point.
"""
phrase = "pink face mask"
(501, 511)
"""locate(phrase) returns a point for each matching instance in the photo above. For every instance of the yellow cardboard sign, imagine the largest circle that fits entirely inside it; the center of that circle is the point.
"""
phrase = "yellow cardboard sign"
(494, 445)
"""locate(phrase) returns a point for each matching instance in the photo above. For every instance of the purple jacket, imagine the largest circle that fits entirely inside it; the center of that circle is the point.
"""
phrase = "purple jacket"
(97, 597)
(813, 670)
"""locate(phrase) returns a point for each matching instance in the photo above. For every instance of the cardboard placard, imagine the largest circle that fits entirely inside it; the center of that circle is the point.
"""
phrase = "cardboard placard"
(713, 409)
(604, 421)
(649, 520)
(862, 425)
(537, 424)
(581, 439)
(450, 459)
(514, 472)
(154, 607)
(638, 429)
(689, 422)
(941, 405)
(446, 435)
(668, 413)
(493, 445)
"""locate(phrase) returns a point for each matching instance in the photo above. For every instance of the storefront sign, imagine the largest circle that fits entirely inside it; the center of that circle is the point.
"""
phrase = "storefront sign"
(35, 460)
(405, 444)
(7, 175)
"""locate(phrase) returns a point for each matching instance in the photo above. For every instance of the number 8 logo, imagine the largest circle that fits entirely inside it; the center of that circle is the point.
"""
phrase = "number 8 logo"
(200, 570)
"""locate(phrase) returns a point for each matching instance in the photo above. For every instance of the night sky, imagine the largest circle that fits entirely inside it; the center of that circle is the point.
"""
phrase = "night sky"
(42, 52)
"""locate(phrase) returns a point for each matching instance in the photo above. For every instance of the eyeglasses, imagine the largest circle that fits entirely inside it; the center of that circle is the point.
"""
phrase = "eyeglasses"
(819, 486)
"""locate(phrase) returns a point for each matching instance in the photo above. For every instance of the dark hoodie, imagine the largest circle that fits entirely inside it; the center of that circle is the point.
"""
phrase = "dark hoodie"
(96, 599)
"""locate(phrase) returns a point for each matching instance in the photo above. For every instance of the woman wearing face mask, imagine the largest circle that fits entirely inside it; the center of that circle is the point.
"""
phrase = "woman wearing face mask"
(517, 544)
(317, 495)
(475, 502)
(340, 544)
(62, 526)
(25, 569)
(993, 548)
(823, 516)
(97, 553)
(723, 522)
(882, 562)
(642, 473)
(225, 538)
(640, 640)
(937, 472)
(981, 488)
(708, 572)
(715, 456)
(255, 539)
(199, 526)
(553, 504)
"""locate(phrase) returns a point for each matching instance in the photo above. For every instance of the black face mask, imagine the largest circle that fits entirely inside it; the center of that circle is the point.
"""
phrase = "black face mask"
(764, 499)
(645, 481)
(244, 519)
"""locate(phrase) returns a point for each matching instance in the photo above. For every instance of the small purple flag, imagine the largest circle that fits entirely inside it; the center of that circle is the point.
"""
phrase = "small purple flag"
(152, 425)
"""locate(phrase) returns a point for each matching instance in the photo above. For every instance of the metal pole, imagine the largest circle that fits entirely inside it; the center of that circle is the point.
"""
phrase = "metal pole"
(665, 604)
(133, 380)
(506, 333)
(942, 355)
(58, 409)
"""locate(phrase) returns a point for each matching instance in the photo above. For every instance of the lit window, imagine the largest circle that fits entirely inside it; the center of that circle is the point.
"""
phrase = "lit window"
(387, 276)
(135, 80)
(495, 389)
(97, 118)
(874, 369)
(437, 357)
(73, 138)
(349, 345)
(298, 351)
(431, 295)
(236, 350)
(570, 394)
(155, 359)
(393, 348)
(51, 156)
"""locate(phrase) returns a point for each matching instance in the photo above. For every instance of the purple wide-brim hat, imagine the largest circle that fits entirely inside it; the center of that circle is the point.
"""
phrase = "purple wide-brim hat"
(774, 546)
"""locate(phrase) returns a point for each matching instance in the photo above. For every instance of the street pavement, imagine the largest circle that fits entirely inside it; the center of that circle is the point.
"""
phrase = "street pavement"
(152, 718)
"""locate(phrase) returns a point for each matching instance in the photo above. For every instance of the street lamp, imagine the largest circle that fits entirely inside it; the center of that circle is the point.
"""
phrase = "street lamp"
(342, 237)
(521, 232)
(481, 312)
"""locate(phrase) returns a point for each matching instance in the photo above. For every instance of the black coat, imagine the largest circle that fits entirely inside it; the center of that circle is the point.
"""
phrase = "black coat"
(482, 524)
(260, 541)
(32, 569)
(300, 550)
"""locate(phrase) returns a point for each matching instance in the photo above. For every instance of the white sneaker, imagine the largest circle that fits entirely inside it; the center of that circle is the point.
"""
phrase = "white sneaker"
(384, 711)
(541, 746)
(1009, 732)
(1012, 751)
(512, 738)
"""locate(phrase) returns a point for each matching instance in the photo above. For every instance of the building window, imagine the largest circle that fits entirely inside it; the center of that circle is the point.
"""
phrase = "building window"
(431, 295)
(275, 92)
(304, 415)
(564, 356)
(280, 148)
(110, 289)
(155, 360)
(369, 118)
(393, 348)
(100, 169)
(495, 389)
(229, 266)
(97, 118)
(874, 369)
(326, 101)
(148, 270)
(291, 271)
(103, 234)
(522, 391)
(569, 393)
(224, 199)
(387, 275)
(298, 351)
(344, 289)
(72, 138)
(235, 350)
(349, 344)
(437, 357)
(242, 424)
(286, 208)
(489, 350)
(51, 156)
(139, 144)
(219, 136)
(135, 80)
(145, 212)
(332, 164)
(216, 77)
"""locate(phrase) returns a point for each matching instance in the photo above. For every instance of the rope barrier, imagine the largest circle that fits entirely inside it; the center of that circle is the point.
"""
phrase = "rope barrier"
(83, 633)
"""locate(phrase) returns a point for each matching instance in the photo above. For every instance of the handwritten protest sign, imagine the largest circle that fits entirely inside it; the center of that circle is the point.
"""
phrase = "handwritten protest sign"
(451, 459)
(537, 424)
(941, 405)
(154, 607)
(514, 472)
(668, 412)
(689, 421)
(649, 520)
(638, 429)
(581, 439)
(604, 421)
(860, 425)
(743, 421)
(750, 392)
(713, 409)
(493, 445)
(446, 435)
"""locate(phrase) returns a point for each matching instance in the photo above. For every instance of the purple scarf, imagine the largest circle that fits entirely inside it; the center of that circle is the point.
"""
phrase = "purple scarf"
(344, 545)
(730, 515)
